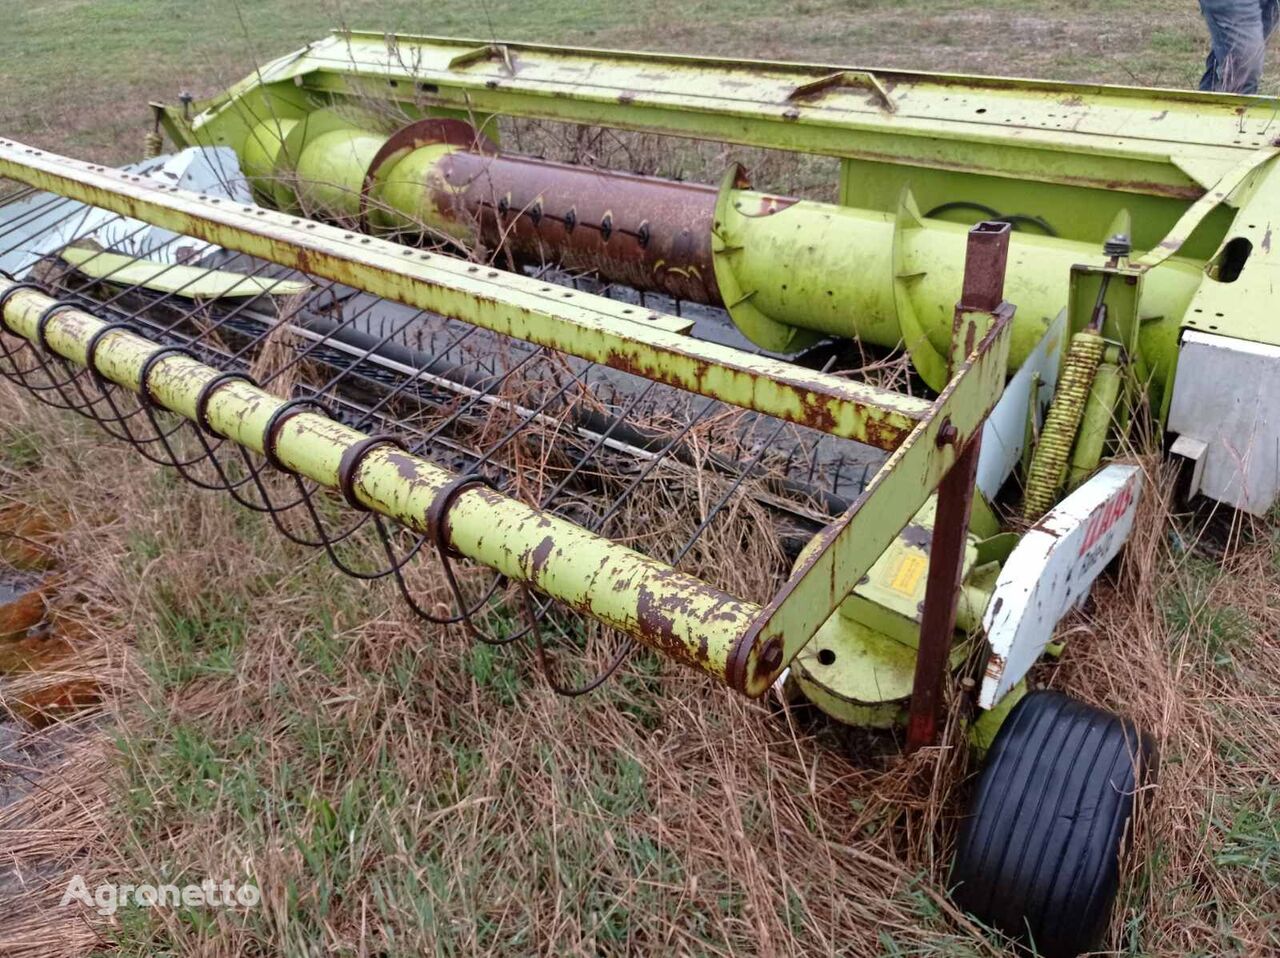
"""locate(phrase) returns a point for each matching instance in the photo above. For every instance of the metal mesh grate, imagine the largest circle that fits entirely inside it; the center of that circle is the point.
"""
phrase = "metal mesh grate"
(619, 455)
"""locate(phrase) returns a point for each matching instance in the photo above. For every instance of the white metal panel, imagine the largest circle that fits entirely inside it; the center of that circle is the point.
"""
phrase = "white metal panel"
(1005, 431)
(1227, 395)
(43, 223)
(1051, 569)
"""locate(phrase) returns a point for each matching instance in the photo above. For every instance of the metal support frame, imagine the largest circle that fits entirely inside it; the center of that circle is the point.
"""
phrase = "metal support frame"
(606, 331)
(742, 644)
(1168, 143)
(981, 306)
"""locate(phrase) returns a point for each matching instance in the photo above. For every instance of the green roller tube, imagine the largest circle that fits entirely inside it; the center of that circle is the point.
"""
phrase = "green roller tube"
(852, 273)
(788, 271)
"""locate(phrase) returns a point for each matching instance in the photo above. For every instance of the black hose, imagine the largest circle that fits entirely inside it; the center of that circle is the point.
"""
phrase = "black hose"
(991, 213)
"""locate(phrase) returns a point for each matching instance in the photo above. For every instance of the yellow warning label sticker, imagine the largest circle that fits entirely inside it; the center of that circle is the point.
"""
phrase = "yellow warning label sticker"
(908, 572)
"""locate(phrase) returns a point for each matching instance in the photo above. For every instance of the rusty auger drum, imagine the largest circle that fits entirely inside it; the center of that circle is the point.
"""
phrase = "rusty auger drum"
(350, 300)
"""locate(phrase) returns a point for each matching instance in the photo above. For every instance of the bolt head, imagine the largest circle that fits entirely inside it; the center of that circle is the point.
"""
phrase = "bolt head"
(771, 655)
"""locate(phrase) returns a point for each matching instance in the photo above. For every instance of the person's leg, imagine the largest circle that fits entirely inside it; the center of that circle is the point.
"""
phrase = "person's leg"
(1270, 15)
(1209, 80)
(1237, 41)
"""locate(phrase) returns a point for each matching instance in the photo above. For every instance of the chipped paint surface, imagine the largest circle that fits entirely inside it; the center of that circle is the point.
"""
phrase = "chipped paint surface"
(682, 616)
(677, 614)
(580, 324)
(1170, 143)
(1051, 569)
(846, 549)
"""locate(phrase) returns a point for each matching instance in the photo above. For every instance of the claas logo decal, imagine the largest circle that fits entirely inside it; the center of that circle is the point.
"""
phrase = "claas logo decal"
(1106, 516)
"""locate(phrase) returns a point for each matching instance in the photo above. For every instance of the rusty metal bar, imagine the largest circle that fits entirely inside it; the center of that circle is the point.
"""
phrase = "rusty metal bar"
(591, 327)
(645, 232)
(981, 303)
(942, 595)
(847, 548)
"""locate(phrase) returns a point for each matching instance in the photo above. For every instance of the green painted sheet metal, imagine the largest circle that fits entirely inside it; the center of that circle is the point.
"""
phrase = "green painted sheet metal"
(1241, 301)
(864, 274)
(1166, 143)
(855, 674)
(783, 268)
(193, 282)
(847, 548)
(592, 327)
(677, 614)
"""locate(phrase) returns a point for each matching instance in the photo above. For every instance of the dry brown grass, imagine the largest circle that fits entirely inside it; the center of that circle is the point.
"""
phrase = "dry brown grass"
(663, 813)
(396, 789)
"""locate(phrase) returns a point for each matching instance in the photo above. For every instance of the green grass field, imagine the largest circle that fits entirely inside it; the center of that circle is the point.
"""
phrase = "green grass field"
(394, 791)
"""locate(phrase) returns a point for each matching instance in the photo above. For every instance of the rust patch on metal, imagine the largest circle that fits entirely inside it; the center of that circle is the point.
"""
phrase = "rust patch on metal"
(405, 465)
(538, 557)
(644, 232)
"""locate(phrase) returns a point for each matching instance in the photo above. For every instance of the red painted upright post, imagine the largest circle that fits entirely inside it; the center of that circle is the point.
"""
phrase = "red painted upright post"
(980, 300)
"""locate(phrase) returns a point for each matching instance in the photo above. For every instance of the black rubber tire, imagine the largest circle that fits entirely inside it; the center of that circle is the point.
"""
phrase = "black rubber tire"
(1039, 851)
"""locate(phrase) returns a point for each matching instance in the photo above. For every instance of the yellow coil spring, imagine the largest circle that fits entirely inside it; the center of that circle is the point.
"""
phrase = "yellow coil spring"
(1053, 451)
(153, 145)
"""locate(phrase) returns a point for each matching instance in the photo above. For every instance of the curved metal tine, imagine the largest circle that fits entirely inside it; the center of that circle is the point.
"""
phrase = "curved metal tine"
(144, 399)
(338, 377)
(476, 397)
(209, 452)
(406, 380)
(140, 443)
(747, 469)
(437, 521)
(276, 511)
(20, 374)
(536, 610)
(629, 646)
(43, 360)
(184, 465)
(243, 305)
(533, 414)
(74, 375)
(396, 568)
(88, 409)
(598, 524)
(598, 443)
(272, 509)
(327, 542)
(74, 208)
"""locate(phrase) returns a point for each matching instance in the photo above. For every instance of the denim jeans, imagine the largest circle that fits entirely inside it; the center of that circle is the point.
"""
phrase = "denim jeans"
(1238, 32)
